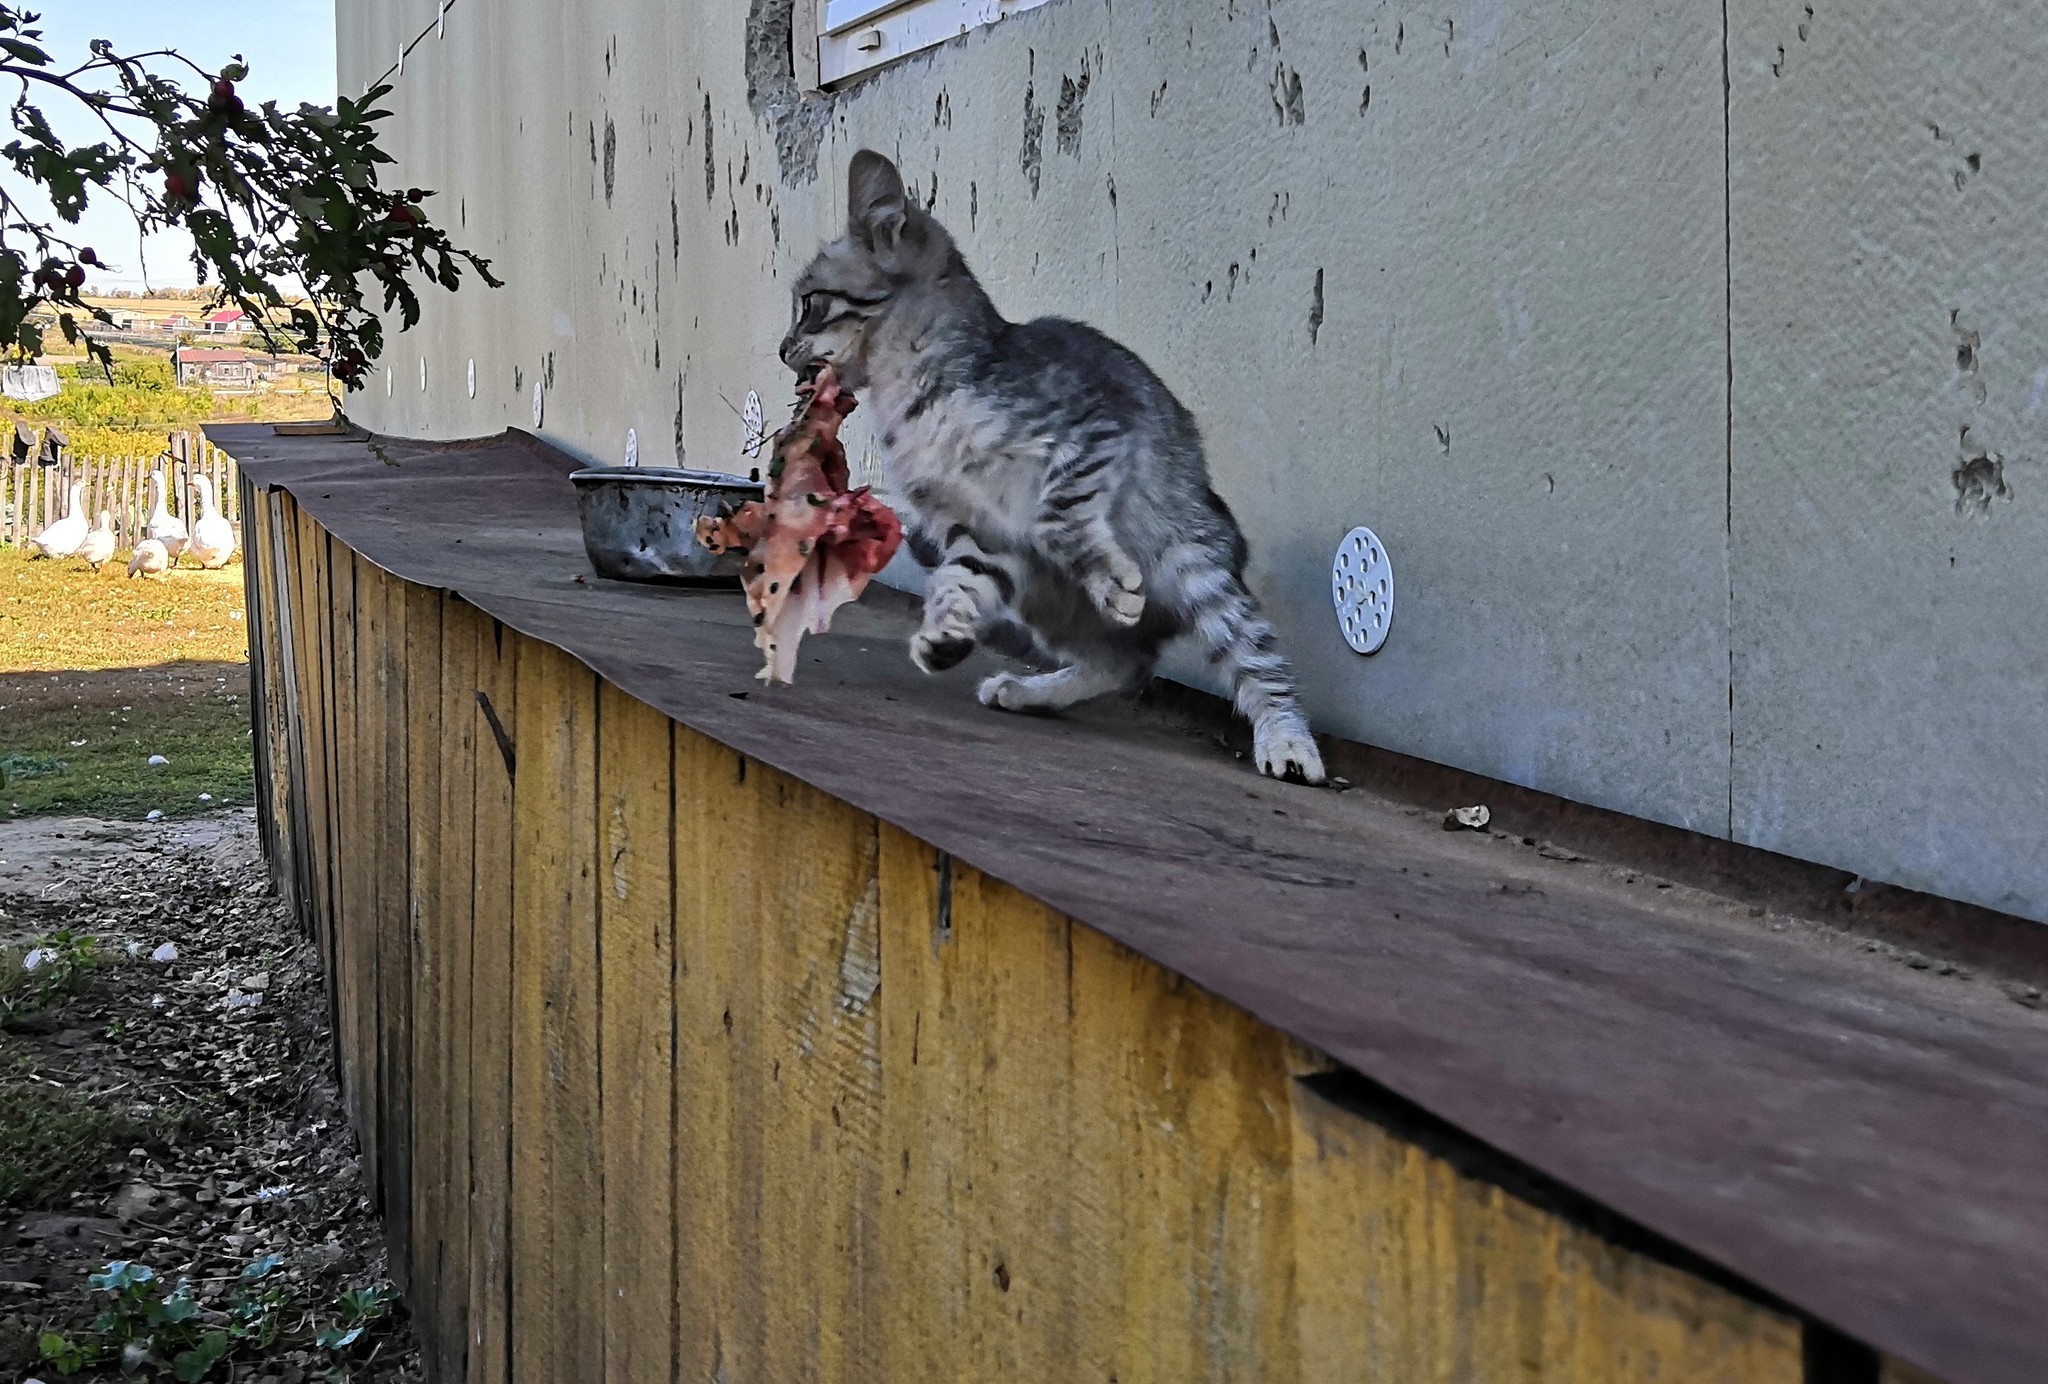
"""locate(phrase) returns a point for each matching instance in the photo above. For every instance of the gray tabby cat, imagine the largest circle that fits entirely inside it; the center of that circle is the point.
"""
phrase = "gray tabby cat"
(1055, 485)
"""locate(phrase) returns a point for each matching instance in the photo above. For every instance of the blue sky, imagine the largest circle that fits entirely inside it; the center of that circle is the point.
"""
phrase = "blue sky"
(288, 45)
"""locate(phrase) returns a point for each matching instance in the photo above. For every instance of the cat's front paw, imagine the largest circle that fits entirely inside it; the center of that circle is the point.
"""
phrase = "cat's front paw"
(1119, 593)
(947, 636)
(934, 651)
(1284, 748)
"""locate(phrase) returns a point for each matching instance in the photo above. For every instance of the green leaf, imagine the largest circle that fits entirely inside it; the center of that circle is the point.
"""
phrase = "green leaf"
(121, 1275)
(336, 1338)
(261, 1268)
(192, 1365)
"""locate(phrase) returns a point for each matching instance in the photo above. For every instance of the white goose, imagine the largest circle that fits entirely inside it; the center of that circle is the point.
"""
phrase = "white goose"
(62, 538)
(149, 559)
(99, 543)
(163, 526)
(213, 537)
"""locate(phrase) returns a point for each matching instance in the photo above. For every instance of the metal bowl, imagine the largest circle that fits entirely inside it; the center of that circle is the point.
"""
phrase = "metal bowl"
(639, 522)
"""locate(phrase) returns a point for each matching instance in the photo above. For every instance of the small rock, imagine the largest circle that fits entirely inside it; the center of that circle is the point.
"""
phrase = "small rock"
(206, 797)
(153, 815)
(1467, 818)
(259, 981)
(157, 761)
(165, 954)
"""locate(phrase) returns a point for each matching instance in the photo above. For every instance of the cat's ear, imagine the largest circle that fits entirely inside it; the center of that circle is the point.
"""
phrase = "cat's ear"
(876, 204)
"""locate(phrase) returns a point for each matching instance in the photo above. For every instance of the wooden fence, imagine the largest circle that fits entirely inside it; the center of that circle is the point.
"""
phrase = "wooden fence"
(667, 1065)
(32, 497)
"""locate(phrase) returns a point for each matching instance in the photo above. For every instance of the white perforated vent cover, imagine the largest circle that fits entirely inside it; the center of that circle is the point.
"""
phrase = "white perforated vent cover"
(1362, 589)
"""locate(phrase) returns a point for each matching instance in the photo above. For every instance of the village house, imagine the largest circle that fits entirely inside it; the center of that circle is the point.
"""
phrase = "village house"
(226, 367)
(226, 322)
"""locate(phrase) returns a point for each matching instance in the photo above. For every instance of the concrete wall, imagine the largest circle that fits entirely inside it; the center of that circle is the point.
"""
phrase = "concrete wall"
(1627, 326)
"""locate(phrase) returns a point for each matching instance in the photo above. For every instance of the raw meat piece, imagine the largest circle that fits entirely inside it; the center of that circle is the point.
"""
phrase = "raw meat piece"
(811, 544)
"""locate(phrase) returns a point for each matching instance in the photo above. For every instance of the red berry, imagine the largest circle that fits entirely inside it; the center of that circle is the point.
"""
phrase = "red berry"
(416, 195)
(75, 276)
(86, 256)
(176, 187)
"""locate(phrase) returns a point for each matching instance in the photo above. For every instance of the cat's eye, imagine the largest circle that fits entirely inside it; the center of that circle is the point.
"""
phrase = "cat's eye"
(814, 309)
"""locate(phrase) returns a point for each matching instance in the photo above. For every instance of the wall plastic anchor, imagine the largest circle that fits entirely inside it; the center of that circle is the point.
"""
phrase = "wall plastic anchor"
(1362, 589)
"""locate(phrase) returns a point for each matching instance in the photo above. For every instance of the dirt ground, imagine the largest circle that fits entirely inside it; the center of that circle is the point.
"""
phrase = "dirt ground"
(192, 1118)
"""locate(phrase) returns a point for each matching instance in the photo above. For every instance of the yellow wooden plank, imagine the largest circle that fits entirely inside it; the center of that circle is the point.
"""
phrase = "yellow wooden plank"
(372, 841)
(264, 585)
(557, 1206)
(427, 931)
(1409, 1270)
(454, 814)
(392, 831)
(1181, 1158)
(314, 628)
(977, 1149)
(355, 914)
(490, 1047)
(810, 1199)
(717, 854)
(635, 899)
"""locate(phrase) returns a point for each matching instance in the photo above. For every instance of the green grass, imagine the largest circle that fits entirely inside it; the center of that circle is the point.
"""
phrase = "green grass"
(64, 963)
(205, 738)
(53, 1143)
(98, 673)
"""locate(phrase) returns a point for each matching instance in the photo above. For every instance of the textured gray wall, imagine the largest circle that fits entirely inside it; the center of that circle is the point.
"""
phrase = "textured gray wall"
(1461, 274)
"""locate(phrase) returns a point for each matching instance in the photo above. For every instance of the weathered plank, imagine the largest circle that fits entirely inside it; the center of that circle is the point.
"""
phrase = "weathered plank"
(977, 1033)
(1898, 1372)
(495, 708)
(716, 902)
(636, 947)
(1179, 1142)
(453, 814)
(810, 1181)
(429, 999)
(557, 1208)
(394, 928)
(1409, 1269)
(355, 915)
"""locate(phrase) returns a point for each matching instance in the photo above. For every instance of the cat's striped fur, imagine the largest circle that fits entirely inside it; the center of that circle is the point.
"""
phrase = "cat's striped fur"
(1055, 486)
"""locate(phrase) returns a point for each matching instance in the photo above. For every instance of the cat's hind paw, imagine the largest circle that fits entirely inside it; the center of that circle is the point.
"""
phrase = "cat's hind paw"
(1119, 594)
(999, 691)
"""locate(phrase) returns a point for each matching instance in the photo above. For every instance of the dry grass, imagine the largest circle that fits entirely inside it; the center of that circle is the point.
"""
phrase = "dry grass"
(98, 673)
(59, 616)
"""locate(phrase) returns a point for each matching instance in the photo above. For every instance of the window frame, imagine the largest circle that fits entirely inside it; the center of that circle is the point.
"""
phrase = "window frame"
(851, 38)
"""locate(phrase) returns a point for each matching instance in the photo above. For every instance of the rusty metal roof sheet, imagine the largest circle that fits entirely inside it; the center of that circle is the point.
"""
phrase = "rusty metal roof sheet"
(1867, 1142)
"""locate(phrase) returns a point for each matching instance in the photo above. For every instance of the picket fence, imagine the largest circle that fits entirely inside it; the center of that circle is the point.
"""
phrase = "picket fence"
(32, 496)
